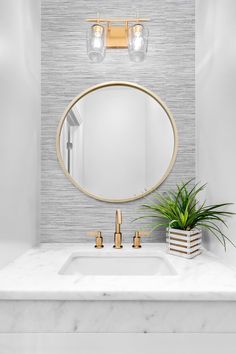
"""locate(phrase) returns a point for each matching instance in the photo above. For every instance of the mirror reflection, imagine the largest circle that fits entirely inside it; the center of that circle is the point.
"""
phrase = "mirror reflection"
(117, 142)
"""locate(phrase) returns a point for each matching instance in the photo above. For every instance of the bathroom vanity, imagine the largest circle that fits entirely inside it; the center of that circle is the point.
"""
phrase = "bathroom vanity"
(75, 288)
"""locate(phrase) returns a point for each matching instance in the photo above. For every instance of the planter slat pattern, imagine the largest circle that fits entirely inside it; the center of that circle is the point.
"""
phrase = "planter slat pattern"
(183, 243)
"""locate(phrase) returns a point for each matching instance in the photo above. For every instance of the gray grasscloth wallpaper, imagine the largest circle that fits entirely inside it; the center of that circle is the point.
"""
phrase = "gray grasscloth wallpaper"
(66, 213)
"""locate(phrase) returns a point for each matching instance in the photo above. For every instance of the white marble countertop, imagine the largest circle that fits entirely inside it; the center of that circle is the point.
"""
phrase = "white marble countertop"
(35, 276)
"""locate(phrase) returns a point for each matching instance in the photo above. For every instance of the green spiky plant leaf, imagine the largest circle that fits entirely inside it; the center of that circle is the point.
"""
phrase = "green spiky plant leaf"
(180, 209)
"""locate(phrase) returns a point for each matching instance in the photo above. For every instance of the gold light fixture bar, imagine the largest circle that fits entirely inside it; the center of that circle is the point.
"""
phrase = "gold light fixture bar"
(97, 19)
(117, 36)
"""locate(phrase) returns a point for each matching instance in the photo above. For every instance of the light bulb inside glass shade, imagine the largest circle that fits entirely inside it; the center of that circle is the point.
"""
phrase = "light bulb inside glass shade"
(96, 43)
(138, 42)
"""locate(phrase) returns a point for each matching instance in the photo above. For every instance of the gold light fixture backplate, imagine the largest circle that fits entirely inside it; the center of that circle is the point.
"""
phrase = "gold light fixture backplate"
(117, 37)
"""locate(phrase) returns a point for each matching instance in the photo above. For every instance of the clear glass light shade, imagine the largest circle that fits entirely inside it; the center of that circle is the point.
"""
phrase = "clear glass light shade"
(96, 43)
(138, 42)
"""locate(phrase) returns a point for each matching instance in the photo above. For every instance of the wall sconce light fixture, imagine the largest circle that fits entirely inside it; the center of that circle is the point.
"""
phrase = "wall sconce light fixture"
(107, 33)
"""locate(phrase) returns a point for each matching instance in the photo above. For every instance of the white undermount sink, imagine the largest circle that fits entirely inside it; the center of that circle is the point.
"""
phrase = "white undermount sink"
(117, 265)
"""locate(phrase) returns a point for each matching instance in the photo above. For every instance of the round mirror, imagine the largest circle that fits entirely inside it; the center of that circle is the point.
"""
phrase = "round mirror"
(117, 142)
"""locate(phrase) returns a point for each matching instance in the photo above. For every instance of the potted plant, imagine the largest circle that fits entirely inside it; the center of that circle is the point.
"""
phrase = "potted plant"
(183, 216)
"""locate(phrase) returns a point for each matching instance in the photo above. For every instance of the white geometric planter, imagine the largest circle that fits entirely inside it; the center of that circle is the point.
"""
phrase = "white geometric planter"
(183, 243)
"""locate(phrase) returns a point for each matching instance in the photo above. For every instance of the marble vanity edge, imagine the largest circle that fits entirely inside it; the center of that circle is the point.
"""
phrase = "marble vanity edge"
(118, 296)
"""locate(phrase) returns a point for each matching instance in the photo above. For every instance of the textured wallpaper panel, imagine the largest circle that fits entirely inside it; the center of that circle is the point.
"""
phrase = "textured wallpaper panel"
(66, 213)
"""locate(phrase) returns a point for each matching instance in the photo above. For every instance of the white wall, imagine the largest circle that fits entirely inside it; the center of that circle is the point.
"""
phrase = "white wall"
(20, 126)
(216, 106)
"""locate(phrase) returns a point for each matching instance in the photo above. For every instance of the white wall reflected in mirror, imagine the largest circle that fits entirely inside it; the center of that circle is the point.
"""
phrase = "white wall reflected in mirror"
(117, 142)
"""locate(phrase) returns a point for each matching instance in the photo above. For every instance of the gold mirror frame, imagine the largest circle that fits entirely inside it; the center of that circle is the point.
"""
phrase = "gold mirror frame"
(94, 88)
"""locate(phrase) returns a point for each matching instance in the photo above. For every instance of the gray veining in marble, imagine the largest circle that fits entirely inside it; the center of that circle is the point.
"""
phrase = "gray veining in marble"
(66, 213)
(117, 317)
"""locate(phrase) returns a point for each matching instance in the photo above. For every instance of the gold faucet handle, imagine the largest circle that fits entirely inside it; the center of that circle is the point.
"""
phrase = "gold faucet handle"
(143, 233)
(99, 238)
(94, 233)
(137, 238)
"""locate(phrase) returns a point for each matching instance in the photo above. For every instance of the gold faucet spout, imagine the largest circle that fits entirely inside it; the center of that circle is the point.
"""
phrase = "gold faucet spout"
(118, 216)
(118, 220)
(118, 234)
